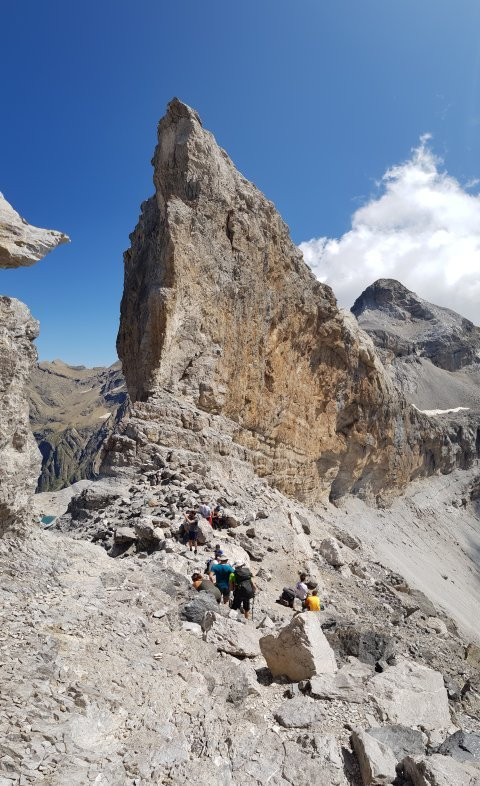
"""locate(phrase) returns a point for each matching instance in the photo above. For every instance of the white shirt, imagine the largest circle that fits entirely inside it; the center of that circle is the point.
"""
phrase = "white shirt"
(301, 590)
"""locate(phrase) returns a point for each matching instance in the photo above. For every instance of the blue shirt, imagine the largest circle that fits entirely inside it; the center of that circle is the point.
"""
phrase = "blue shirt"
(222, 575)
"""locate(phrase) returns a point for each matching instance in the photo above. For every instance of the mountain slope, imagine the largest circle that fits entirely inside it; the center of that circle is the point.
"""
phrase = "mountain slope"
(70, 413)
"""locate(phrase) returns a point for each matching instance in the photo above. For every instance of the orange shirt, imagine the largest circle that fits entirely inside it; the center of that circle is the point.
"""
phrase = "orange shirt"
(312, 602)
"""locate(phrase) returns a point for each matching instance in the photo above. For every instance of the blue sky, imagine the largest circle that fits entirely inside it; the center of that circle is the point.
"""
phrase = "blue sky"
(313, 100)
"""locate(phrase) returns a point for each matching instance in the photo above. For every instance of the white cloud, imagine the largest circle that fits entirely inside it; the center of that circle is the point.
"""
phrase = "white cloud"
(422, 229)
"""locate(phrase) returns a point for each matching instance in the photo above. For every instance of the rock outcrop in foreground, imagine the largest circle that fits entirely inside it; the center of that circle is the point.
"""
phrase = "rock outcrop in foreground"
(20, 244)
(230, 345)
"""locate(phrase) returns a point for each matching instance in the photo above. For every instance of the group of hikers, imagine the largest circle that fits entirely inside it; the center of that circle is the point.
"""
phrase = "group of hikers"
(234, 584)
(223, 580)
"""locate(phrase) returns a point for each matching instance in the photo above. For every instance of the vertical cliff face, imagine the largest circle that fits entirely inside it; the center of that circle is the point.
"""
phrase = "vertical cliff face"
(220, 315)
(20, 244)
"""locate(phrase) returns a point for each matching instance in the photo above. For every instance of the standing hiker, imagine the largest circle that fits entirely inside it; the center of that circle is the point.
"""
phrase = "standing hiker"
(241, 581)
(191, 522)
(222, 572)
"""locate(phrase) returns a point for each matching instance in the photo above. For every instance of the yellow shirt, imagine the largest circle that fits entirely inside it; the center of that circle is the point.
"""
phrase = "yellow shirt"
(312, 602)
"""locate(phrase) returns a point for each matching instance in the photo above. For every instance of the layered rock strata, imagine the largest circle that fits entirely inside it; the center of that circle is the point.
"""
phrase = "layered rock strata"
(229, 344)
(20, 244)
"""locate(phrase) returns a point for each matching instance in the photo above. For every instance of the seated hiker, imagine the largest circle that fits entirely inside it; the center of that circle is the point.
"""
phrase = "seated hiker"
(222, 572)
(218, 517)
(301, 588)
(287, 597)
(312, 601)
(191, 522)
(202, 584)
(241, 582)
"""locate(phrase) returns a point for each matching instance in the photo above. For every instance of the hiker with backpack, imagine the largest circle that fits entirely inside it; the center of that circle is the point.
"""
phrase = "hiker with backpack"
(301, 589)
(222, 572)
(202, 584)
(215, 560)
(242, 584)
(191, 523)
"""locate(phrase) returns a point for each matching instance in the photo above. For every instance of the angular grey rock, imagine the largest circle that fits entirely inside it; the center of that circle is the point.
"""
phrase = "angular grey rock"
(20, 243)
(412, 695)
(125, 535)
(300, 650)
(348, 684)
(333, 552)
(366, 644)
(235, 638)
(298, 713)
(194, 610)
(437, 770)
(243, 684)
(462, 746)
(377, 761)
(402, 740)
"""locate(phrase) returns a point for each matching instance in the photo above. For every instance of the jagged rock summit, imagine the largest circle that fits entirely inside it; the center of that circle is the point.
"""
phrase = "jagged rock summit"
(403, 322)
(431, 353)
(230, 345)
(22, 244)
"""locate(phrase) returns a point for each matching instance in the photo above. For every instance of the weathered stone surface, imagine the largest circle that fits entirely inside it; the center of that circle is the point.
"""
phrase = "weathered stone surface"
(377, 761)
(298, 713)
(412, 695)
(440, 770)
(20, 243)
(300, 650)
(19, 455)
(346, 685)
(209, 235)
(400, 739)
(235, 638)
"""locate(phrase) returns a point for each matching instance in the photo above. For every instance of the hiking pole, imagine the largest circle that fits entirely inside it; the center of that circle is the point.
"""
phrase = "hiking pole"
(253, 606)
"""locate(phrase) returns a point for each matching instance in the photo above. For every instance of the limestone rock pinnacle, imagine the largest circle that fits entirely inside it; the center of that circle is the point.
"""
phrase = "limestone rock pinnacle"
(221, 316)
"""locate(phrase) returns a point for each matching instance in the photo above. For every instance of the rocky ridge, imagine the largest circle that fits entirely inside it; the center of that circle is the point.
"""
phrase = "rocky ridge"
(20, 244)
(213, 280)
(72, 411)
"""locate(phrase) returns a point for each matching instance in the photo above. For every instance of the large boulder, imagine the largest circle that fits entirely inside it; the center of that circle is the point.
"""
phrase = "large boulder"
(376, 760)
(299, 713)
(300, 650)
(334, 552)
(440, 770)
(462, 746)
(400, 739)
(413, 695)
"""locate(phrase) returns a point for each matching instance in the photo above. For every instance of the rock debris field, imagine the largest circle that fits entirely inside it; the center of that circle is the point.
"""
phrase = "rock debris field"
(106, 678)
